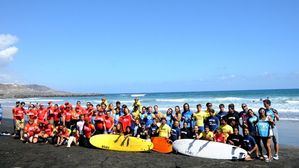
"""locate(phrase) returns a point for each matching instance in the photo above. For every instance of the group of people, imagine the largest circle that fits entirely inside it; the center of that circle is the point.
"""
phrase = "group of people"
(67, 124)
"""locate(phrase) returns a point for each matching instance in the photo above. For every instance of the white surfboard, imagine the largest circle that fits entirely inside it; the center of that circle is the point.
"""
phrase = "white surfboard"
(208, 149)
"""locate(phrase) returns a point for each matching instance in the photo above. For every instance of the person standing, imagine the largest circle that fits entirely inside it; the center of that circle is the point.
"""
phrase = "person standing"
(271, 112)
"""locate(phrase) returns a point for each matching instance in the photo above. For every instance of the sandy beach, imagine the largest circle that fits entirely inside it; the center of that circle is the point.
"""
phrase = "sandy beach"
(14, 153)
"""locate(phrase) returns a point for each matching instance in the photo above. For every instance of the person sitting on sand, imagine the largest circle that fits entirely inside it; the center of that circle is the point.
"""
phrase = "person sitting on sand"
(185, 132)
(88, 130)
(31, 132)
(137, 125)
(235, 139)
(219, 136)
(195, 133)
(212, 121)
(164, 130)
(225, 128)
(222, 113)
(199, 117)
(249, 145)
(207, 134)
(129, 131)
(153, 129)
(175, 131)
(63, 136)
(99, 122)
(118, 129)
(46, 131)
(265, 132)
(142, 132)
(74, 136)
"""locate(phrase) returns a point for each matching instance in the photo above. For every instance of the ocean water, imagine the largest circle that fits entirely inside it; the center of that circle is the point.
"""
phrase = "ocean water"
(286, 101)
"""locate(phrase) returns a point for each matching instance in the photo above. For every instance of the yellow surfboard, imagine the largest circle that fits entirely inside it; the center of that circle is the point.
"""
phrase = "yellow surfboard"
(121, 143)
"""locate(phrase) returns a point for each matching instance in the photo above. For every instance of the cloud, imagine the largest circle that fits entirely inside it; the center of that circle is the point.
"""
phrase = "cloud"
(7, 48)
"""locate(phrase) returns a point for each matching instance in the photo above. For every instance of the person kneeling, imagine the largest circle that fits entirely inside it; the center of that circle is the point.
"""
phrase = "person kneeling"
(31, 132)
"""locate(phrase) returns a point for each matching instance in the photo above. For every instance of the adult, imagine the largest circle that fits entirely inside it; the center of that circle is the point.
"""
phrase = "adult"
(271, 112)
(232, 116)
(187, 115)
(265, 132)
(222, 113)
(212, 122)
(199, 117)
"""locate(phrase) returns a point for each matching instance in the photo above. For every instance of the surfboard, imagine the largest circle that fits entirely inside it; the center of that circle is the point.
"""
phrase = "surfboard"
(208, 149)
(162, 145)
(120, 143)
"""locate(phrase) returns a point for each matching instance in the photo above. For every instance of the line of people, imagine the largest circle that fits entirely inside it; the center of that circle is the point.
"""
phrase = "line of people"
(67, 124)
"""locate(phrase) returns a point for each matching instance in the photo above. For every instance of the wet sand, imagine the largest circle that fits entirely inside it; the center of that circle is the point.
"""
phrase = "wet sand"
(14, 153)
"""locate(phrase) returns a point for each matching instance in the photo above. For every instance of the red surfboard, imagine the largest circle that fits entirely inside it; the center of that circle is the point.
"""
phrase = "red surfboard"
(162, 145)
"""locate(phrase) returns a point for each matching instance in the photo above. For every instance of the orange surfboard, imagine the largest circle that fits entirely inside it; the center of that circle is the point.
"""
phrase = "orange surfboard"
(162, 145)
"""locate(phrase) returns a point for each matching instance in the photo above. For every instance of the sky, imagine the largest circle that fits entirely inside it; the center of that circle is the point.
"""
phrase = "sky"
(121, 46)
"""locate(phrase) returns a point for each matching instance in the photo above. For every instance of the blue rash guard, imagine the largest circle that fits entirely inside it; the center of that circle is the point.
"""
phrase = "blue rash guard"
(271, 113)
(169, 120)
(248, 143)
(187, 117)
(212, 122)
(251, 121)
(263, 128)
(148, 119)
(221, 114)
(116, 117)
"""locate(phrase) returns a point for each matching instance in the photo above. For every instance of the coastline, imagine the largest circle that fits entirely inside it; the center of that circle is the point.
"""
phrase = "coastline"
(14, 153)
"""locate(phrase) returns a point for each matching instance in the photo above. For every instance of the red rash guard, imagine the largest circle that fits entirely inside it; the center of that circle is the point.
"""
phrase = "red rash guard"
(99, 122)
(109, 122)
(67, 115)
(88, 130)
(220, 137)
(19, 113)
(125, 121)
(41, 114)
(31, 129)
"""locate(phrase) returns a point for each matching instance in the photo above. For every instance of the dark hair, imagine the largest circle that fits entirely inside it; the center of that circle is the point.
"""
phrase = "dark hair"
(22, 103)
(221, 105)
(117, 102)
(198, 105)
(267, 101)
(231, 106)
(185, 107)
(208, 104)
